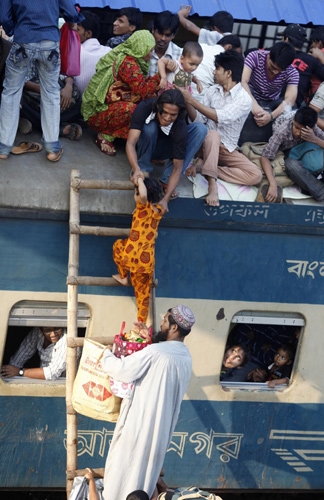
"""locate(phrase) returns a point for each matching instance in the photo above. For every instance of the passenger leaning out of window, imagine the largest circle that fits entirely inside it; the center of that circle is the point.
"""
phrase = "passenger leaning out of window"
(50, 343)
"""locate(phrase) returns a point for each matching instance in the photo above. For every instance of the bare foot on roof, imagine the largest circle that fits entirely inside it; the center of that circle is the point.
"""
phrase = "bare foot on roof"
(212, 197)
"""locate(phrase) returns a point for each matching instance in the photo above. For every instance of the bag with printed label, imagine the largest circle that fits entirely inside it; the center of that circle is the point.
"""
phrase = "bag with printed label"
(92, 394)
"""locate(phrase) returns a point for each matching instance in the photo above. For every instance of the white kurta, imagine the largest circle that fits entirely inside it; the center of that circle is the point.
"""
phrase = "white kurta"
(147, 420)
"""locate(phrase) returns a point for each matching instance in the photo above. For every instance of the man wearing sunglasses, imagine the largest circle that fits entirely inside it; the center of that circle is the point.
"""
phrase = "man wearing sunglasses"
(50, 343)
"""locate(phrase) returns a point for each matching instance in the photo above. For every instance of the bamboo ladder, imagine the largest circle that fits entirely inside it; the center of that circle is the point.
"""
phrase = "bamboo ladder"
(73, 281)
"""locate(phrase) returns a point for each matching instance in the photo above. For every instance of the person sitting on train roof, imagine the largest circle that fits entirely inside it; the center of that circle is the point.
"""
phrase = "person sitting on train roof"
(157, 131)
(317, 51)
(224, 110)
(205, 70)
(221, 24)
(306, 64)
(280, 370)
(128, 20)
(50, 343)
(234, 359)
(91, 50)
(291, 130)
(264, 76)
(165, 27)
(317, 103)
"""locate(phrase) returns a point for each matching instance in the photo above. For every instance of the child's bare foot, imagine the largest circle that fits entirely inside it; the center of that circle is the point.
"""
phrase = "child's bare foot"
(122, 281)
(212, 197)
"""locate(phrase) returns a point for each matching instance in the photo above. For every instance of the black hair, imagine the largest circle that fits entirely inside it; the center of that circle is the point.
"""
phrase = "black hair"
(183, 332)
(192, 48)
(306, 116)
(231, 60)
(288, 349)
(172, 96)
(223, 20)
(295, 42)
(154, 190)
(233, 40)
(166, 21)
(91, 23)
(282, 54)
(317, 35)
(246, 351)
(138, 495)
(133, 15)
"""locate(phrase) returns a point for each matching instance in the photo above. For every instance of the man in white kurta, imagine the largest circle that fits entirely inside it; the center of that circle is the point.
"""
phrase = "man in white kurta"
(144, 429)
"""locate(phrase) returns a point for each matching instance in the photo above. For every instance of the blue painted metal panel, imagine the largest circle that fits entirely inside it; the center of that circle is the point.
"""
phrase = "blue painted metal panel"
(235, 445)
(290, 11)
(272, 242)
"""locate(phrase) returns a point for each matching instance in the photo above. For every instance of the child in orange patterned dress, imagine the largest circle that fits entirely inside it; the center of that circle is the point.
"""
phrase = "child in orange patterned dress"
(137, 253)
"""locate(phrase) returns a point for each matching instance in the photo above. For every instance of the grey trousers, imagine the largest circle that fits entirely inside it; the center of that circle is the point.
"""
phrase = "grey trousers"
(304, 178)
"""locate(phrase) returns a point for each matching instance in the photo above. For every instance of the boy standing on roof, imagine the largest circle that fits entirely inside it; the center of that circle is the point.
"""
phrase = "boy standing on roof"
(37, 37)
(221, 24)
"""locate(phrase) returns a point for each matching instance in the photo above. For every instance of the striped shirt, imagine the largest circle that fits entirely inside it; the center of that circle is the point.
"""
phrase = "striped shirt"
(172, 52)
(52, 357)
(232, 110)
(260, 85)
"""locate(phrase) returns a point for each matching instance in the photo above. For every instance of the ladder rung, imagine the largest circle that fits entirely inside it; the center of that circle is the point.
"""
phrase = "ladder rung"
(99, 230)
(79, 341)
(102, 184)
(97, 281)
(71, 474)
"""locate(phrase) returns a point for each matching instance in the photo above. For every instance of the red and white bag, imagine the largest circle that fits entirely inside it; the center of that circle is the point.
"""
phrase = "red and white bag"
(121, 349)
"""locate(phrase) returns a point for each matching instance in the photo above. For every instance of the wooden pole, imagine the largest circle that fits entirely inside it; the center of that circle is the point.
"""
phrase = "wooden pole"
(101, 184)
(72, 331)
(97, 281)
(99, 231)
(82, 472)
(79, 341)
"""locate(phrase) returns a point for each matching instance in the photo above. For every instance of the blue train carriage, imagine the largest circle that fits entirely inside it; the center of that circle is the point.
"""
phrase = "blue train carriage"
(250, 272)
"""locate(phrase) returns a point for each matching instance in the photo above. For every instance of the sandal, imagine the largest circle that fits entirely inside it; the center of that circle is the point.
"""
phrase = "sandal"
(75, 132)
(26, 147)
(98, 142)
(174, 195)
(55, 156)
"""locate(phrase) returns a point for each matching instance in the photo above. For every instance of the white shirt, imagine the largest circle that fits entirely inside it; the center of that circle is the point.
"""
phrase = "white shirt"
(210, 37)
(232, 110)
(91, 52)
(204, 72)
(172, 52)
(52, 357)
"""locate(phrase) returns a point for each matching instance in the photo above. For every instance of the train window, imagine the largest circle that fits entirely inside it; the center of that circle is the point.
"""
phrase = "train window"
(33, 328)
(261, 350)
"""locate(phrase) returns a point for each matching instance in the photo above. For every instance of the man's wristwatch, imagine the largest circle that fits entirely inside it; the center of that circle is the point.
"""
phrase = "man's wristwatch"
(21, 372)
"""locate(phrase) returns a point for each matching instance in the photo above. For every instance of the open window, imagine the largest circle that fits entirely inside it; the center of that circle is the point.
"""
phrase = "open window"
(26, 316)
(261, 347)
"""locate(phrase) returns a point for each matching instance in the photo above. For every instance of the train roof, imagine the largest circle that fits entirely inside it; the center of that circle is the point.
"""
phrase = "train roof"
(30, 182)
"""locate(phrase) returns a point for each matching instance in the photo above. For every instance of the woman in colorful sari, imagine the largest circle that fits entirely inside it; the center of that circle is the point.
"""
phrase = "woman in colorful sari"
(128, 63)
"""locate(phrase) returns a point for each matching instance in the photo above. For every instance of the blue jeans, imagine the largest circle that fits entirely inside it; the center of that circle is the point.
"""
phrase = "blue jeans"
(155, 145)
(46, 57)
